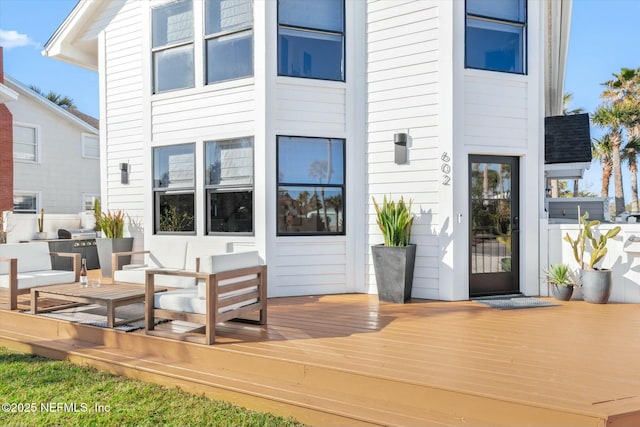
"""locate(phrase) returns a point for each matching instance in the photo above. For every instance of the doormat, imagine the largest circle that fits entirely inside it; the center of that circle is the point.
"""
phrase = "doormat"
(96, 315)
(511, 303)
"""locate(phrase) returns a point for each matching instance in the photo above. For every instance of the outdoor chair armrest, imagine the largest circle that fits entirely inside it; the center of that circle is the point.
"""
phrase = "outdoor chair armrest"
(76, 261)
(115, 264)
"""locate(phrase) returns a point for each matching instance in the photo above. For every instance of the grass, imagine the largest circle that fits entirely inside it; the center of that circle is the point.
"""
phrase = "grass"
(39, 391)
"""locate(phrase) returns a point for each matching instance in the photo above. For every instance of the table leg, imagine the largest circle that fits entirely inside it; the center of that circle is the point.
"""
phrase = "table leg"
(34, 301)
(111, 314)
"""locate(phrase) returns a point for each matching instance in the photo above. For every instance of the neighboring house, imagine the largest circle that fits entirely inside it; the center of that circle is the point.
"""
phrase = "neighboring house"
(273, 123)
(6, 144)
(56, 155)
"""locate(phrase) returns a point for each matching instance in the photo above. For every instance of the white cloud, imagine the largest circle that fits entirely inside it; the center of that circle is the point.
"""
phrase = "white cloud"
(10, 39)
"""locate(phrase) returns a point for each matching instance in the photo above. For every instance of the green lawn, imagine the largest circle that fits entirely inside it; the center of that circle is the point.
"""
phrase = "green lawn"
(38, 391)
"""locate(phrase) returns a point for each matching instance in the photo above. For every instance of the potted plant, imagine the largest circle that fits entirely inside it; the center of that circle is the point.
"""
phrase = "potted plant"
(562, 281)
(41, 234)
(594, 282)
(394, 260)
(113, 240)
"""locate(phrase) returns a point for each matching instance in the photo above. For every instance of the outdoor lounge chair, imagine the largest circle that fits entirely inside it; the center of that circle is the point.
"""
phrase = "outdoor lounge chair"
(229, 286)
(28, 265)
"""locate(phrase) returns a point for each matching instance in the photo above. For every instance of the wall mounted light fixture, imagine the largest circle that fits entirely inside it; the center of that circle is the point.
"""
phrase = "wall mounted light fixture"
(124, 173)
(400, 143)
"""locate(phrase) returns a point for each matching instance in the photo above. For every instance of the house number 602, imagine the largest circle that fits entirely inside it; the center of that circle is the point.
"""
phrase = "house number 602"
(446, 168)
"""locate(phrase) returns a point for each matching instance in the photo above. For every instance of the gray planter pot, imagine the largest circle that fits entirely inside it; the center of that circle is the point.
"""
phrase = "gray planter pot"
(595, 285)
(394, 271)
(562, 292)
(106, 247)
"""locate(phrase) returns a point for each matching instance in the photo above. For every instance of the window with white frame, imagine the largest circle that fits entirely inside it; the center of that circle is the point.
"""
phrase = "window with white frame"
(229, 186)
(25, 202)
(311, 186)
(173, 189)
(25, 143)
(90, 146)
(228, 39)
(496, 35)
(172, 46)
(311, 39)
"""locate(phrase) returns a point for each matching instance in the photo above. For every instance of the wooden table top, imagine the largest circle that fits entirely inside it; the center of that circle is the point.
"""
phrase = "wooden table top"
(105, 291)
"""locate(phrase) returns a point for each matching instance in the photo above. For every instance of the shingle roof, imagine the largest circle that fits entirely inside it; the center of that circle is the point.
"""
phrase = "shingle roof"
(85, 117)
(567, 139)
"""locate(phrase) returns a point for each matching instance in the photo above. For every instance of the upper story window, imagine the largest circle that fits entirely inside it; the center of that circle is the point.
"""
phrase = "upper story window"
(228, 39)
(229, 186)
(25, 143)
(496, 35)
(311, 187)
(172, 46)
(90, 146)
(174, 188)
(311, 39)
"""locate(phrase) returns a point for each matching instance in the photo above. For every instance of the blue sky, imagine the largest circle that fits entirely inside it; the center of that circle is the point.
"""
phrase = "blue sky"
(604, 38)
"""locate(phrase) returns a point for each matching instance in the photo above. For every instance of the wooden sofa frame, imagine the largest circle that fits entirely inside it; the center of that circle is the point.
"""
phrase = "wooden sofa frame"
(213, 301)
(13, 276)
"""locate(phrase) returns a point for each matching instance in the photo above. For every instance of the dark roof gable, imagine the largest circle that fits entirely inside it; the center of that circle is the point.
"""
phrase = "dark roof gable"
(567, 139)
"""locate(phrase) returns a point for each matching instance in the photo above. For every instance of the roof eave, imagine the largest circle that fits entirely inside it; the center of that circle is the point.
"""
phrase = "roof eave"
(7, 94)
(28, 93)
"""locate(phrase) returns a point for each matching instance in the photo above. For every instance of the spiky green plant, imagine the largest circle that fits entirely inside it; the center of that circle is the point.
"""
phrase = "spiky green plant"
(560, 274)
(586, 234)
(395, 221)
(112, 224)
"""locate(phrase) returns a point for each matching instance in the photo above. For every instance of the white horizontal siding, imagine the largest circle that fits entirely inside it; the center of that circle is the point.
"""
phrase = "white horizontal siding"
(310, 108)
(204, 114)
(402, 80)
(309, 266)
(123, 117)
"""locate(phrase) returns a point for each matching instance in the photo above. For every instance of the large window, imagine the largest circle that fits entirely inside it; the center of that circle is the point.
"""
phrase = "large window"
(172, 46)
(310, 186)
(173, 189)
(228, 39)
(229, 186)
(25, 202)
(496, 35)
(25, 143)
(311, 39)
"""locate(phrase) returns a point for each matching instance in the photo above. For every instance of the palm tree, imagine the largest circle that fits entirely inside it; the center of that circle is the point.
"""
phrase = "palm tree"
(56, 98)
(614, 117)
(623, 91)
(630, 155)
(601, 150)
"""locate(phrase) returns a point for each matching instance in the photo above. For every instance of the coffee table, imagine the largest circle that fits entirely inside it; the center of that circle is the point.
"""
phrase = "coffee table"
(107, 295)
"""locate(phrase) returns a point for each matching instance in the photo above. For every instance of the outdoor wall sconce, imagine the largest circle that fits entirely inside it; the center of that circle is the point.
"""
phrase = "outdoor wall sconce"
(400, 143)
(124, 173)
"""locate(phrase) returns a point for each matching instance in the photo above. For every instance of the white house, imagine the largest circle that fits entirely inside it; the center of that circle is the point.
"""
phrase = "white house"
(56, 155)
(272, 122)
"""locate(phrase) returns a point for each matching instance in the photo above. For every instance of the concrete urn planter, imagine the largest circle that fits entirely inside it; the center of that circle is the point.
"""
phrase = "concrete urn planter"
(106, 247)
(595, 285)
(394, 266)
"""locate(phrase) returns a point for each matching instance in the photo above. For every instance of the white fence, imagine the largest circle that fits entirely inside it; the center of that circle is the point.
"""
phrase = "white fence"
(623, 257)
(23, 227)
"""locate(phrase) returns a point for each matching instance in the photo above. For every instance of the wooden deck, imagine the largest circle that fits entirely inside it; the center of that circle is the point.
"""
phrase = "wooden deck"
(348, 360)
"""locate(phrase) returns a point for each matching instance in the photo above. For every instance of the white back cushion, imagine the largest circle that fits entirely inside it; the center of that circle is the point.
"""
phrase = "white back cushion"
(33, 256)
(226, 262)
(166, 253)
(202, 249)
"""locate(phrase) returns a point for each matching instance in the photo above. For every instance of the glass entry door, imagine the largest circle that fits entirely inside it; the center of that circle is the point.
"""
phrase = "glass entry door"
(494, 225)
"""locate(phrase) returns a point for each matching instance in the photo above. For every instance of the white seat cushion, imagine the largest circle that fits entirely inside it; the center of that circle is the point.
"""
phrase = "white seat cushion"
(33, 256)
(32, 279)
(184, 300)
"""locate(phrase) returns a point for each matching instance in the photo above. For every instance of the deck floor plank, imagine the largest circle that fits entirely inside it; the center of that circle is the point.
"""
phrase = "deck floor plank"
(349, 357)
